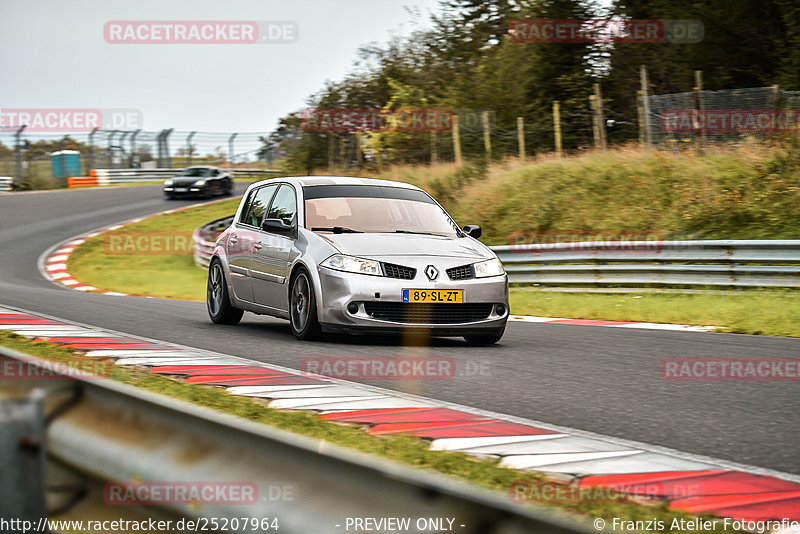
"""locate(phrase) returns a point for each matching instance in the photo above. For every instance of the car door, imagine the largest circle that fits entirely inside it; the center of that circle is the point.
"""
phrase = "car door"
(270, 265)
(242, 239)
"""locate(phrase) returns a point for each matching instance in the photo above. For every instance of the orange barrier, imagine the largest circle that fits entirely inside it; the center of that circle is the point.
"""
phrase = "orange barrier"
(81, 181)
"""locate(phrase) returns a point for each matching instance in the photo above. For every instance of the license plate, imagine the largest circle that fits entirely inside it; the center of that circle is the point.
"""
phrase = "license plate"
(451, 296)
(180, 189)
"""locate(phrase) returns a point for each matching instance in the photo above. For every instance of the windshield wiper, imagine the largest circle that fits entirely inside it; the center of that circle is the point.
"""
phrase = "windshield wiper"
(336, 229)
(418, 233)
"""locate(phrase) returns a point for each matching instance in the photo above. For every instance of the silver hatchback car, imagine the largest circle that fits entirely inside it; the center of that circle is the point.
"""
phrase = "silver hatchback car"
(356, 255)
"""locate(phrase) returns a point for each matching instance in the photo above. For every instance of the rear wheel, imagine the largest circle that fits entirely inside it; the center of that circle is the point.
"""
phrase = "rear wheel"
(217, 300)
(484, 339)
(303, 307)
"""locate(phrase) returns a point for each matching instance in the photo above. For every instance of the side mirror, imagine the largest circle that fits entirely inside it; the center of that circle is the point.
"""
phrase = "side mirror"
(276, 226)
(473, 230)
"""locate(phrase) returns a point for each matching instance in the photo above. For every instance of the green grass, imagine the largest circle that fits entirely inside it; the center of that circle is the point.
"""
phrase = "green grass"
(118, 261)
(770, 313)
(403, 449)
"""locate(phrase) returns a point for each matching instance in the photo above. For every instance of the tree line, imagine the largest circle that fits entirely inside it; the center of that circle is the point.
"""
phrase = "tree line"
(466, 59)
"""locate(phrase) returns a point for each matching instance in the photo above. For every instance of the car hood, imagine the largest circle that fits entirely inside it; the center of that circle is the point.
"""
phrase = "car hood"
(375, 245)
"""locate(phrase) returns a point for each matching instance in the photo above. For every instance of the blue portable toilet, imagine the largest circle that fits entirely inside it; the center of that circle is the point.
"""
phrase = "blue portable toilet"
(66, 163)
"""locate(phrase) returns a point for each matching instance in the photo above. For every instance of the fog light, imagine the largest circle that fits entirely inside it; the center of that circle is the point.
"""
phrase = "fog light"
(500, 309)
(352, 308)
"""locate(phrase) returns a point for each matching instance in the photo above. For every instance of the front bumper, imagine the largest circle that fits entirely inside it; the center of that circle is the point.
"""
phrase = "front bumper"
(341, 289)
(185, 191)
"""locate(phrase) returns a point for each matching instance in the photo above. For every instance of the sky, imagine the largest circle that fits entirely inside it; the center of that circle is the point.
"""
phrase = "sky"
(54, 55)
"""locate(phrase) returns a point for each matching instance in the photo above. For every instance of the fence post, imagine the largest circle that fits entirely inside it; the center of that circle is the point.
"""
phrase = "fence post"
(434, 147)
(521, 137)
(776, 104)
(331, 153)
(599, 118)
(359, 153)
(109, 144)
(189, 149)
(640, 116)
(557, 125)
(595, 130)
(18, 150)
(698, 106)
(487, 137)
(133, 157)
(90, 155)
(231, 149)
(456, 141)
(645, 106)
(167, 157)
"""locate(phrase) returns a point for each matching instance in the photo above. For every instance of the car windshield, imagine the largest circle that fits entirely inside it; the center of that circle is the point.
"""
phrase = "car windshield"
(196, 171)
(374, 209)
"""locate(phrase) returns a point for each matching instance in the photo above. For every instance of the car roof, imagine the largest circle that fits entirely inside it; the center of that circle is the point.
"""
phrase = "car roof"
(310, 181)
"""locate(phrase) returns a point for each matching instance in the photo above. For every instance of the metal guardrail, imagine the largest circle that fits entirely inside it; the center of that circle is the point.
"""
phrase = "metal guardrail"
(734, 263)
(112, 432)
(121, 176)
(204, 239)
(6, 183)
(728, 263)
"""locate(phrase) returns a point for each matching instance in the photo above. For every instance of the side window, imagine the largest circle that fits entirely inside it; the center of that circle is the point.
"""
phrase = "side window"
(258, 205)
(215, 172)
(246, 207)
(284, 206)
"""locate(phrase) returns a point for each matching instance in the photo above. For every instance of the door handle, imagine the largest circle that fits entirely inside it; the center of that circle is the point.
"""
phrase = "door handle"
(233, 240)
(257, 245)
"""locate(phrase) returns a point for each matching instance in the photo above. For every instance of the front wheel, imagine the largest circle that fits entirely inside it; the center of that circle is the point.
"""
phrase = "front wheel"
(303, 307)
(217, 300)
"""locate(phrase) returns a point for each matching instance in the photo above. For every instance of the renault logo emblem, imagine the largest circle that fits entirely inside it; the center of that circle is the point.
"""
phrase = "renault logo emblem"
(431, 272)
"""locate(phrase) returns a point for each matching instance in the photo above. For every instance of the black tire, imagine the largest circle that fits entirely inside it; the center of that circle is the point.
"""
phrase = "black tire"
(484, 339)
(303, 307)
(218, 302)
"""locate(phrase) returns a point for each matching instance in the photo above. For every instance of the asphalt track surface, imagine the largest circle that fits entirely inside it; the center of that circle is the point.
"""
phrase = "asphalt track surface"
(603, 380)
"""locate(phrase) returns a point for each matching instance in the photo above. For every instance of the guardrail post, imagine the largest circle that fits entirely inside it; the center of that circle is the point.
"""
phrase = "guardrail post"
(18, 150)
(23, 478)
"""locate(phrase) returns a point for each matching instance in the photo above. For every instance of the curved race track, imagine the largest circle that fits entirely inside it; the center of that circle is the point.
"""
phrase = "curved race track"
(604, 380)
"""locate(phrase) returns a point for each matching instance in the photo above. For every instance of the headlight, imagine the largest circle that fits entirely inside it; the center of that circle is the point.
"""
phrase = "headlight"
(350, 264)
(489, 268)
(168, 182)
(200, 183)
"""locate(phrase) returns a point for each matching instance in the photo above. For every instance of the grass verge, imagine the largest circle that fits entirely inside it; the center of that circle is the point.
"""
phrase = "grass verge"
(150, 258)
(769, 313)
(536, 488)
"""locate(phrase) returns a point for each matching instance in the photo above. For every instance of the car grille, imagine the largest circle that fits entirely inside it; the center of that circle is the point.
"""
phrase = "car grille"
(423, 313)
(391, 270)
(463, 272)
